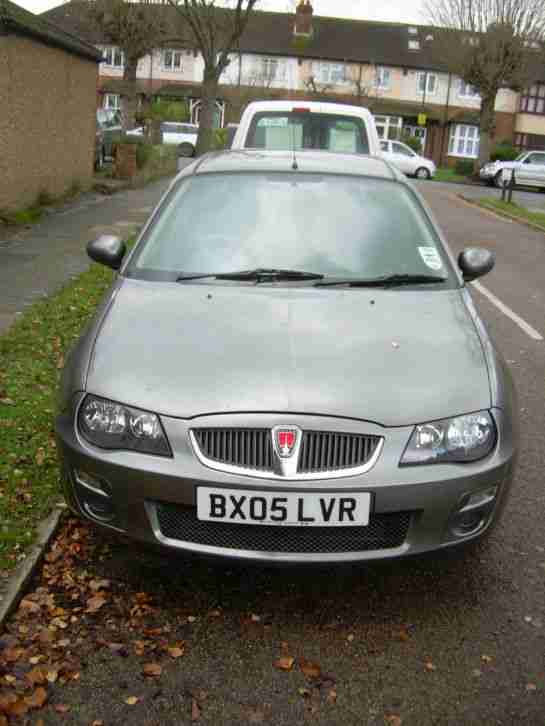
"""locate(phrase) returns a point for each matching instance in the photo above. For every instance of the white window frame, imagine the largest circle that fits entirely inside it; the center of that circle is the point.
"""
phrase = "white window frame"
(423, 77)
(466, 90)
(110, 55)
(271, 69)
(112, 101)
(383, 78)
(333, 73)
(175, 53)
(464, 141)
(387, 123)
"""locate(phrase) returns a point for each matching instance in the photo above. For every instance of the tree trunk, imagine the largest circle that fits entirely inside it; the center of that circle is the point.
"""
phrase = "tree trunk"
(128, 98)
(488, 122)
(208, 110)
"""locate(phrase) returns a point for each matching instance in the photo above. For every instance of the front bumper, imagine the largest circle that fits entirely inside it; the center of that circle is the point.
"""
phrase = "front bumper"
(154, 498)
(488, 174)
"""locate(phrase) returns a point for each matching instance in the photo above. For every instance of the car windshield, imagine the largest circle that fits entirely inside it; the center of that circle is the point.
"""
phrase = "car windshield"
(284, 131)
(108, 118)
(331, 225)
(522, 156)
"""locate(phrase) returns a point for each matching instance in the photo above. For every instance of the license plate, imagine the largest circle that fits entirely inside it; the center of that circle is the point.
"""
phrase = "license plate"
(283, 509)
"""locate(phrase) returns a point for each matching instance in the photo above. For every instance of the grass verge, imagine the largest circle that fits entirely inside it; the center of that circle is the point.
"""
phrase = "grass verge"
(31, 356)
(450, 175)
(514, 211)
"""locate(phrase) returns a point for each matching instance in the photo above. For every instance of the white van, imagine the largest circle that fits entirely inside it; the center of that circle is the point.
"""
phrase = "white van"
(300, 125)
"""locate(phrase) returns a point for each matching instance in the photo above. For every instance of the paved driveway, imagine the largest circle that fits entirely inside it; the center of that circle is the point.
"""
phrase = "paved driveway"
(436, 641)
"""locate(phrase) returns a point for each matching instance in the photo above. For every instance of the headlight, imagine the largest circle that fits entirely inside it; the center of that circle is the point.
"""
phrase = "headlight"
(461, 439)
(110, 425)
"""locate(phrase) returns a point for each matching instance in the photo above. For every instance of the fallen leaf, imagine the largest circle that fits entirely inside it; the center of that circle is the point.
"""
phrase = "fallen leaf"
(403, 635)
(29, 606)
(132, 700)
(393, 719)
(153, 670)
(52, 676)
(332, 696)
(195, 710)
(284, 663)
(191, 619)
(311, 670)
(350, 638)
(37, 699)
(36, 659)
(96, 585)
(486, 658)
(36, 676)
(530, 687)
(40, 456)
(428, 665)
(95, 603)
(10, 679)
(61, 708)
(175, 652)
(255, 618)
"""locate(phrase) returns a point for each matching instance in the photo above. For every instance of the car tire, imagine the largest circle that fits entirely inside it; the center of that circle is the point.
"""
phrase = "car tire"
(423, 173)
(186, 150)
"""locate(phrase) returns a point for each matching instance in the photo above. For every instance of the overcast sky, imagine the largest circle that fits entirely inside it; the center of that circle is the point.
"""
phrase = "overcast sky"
(398, 10)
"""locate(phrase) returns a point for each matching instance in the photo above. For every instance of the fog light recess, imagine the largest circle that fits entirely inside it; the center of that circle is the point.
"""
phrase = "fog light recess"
(95, 496)
(473, 512)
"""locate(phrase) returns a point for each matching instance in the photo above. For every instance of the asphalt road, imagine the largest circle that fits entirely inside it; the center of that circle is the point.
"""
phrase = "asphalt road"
(449, 641)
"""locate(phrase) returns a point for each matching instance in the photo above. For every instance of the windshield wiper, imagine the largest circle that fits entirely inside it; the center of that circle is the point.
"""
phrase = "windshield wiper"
(386, 281)
(261, 274)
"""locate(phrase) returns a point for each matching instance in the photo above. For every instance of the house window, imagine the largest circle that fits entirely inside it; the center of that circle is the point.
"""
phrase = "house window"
(172, 60)
(414, 45)
(271, 69)
(426, 83)
(466, 90)
(413, 30)
(389, 127)
(382, 78)
(464, 141)
(113, 57)
(112, 100)
(533, 100)
(334, 73)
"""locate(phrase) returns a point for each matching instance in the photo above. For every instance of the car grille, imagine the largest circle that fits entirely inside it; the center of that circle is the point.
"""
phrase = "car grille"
(331, 451)
(245, 448)
(385, 531)
(320, 451)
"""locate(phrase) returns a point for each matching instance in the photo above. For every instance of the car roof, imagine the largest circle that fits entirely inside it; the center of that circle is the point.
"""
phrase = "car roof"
(319, 106)
(317, 162)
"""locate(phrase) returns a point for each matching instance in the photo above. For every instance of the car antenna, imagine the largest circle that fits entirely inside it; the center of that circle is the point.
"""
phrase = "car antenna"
(295, 165)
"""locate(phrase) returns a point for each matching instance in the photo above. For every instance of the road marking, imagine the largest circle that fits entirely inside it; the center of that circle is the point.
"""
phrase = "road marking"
(523, 325)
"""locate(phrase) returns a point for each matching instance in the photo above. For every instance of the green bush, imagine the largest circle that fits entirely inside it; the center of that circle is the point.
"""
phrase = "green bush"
(504, 151)
(173, 111)
(143, 154)
(412, 142)
(219, 140)
(465, 167)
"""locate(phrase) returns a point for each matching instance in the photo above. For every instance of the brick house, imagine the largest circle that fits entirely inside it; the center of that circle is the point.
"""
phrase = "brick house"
(48, 82)
(389, 67)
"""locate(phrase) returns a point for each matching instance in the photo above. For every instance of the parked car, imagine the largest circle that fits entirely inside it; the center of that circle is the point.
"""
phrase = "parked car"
(289, 367)
(301, 125)
(529, 170)
(407, 160)
(184, 135)
(109, 122)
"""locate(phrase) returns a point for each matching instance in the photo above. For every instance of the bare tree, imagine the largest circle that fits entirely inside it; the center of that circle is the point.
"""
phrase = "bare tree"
(215, 32)
(365, 84)
(490, 44)
(136, 28)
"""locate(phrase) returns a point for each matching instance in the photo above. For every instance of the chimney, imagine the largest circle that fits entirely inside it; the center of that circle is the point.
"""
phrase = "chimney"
(303, 19)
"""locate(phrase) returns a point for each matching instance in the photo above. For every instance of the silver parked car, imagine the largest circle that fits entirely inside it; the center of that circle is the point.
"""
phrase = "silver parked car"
(529, 168)
(289, 367)
(407, 160)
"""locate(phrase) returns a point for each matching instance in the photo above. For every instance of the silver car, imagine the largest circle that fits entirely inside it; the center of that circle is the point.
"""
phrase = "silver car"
(289, 367)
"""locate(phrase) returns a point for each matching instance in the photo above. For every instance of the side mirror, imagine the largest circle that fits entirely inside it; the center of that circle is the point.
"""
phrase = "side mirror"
(475, 262)
(107, 250)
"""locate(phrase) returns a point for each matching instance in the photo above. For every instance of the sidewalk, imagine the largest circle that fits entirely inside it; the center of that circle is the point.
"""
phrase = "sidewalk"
(38, 260)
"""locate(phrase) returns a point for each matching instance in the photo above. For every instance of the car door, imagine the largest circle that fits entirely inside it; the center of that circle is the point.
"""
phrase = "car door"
(403, 157)
(532, 170)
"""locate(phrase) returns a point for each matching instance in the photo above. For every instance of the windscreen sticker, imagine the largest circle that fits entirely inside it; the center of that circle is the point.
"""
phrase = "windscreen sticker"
(431, 257)
(274, 122)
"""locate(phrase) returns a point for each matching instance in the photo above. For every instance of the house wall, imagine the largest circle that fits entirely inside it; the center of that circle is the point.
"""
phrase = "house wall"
(528, 123)
(47, 122)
